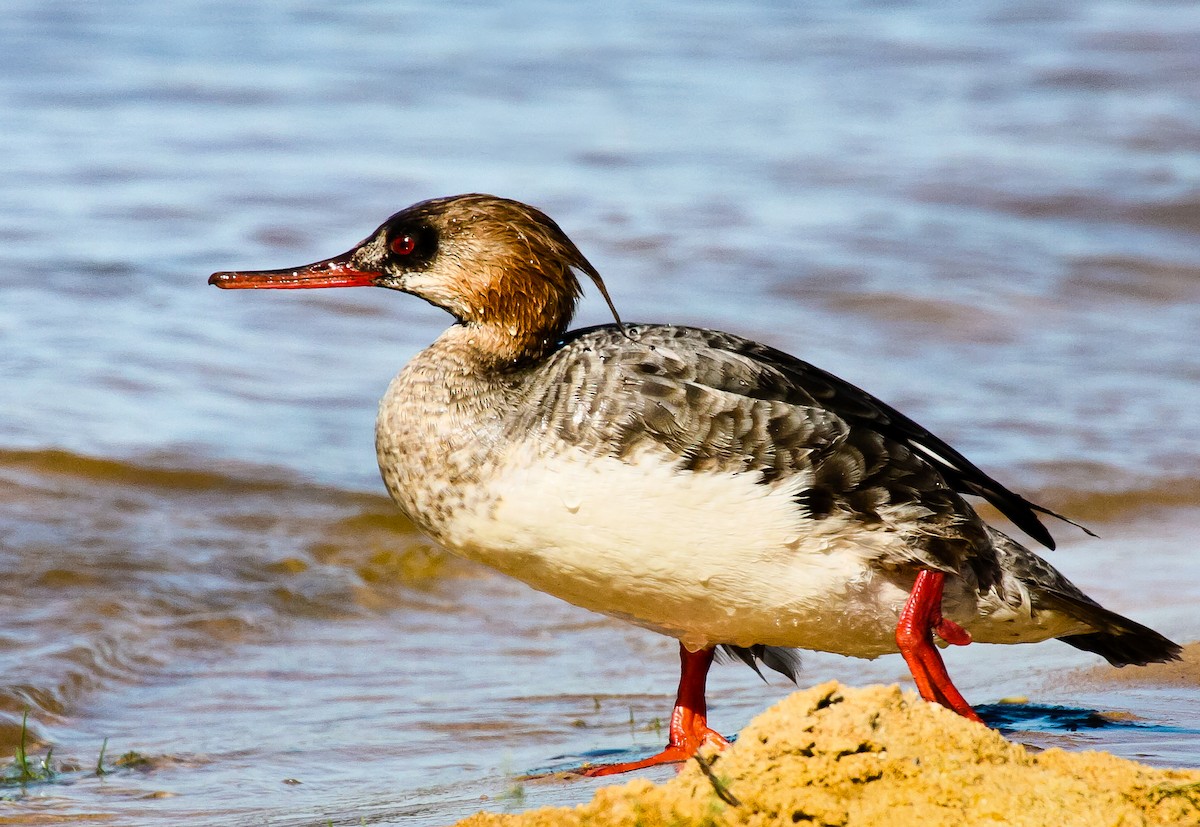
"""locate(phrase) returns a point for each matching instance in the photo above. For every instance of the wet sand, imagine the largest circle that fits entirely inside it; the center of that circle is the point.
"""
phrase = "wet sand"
(840, 756)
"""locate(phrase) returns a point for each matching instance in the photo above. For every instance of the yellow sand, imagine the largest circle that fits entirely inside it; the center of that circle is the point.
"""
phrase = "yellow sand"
(879, 757)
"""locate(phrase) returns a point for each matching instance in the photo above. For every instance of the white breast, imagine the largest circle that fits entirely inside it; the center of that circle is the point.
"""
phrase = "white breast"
(705, 557)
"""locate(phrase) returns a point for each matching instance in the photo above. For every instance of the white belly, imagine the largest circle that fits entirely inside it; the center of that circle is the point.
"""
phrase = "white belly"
(706, 558)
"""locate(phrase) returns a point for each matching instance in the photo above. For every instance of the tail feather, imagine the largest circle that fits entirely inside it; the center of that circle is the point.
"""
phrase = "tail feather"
(1117, 639)
(1125, 642)
(1127, 649)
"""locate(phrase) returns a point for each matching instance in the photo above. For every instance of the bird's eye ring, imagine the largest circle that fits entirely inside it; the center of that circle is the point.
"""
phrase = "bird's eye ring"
(402, 245)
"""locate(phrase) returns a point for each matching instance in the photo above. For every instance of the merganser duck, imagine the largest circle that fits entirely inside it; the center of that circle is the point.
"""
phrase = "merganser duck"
(690, 481)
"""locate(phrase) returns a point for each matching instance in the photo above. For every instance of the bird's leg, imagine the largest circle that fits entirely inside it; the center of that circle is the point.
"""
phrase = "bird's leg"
(920, 619)
(689, 722)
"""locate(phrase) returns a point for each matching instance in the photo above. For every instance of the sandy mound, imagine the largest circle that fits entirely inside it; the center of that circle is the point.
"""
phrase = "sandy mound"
(832, 755)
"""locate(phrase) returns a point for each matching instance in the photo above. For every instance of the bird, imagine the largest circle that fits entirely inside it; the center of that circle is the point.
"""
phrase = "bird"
(693, 482)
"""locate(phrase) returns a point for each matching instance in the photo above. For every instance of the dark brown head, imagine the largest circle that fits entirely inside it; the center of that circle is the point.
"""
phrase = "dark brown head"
(495, 264)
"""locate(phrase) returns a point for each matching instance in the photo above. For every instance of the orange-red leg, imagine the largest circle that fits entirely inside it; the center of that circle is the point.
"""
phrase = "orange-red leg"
(689, 722)
(920, 619)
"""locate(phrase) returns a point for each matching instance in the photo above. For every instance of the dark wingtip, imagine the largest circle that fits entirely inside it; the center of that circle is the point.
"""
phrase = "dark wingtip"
(1068, 520)
(1032, 526)
(1022, 512)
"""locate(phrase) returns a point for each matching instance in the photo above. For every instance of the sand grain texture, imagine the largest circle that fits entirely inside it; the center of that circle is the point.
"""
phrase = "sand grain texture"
(833, 755)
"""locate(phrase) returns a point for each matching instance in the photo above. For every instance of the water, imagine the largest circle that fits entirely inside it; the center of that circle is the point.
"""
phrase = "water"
(988, 215)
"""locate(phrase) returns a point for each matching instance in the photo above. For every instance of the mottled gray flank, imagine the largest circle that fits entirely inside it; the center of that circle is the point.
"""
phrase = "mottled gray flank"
(710, 402)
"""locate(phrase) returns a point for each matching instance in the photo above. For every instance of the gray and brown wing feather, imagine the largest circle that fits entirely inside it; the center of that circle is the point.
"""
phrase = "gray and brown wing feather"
(712, 402)
(781, 376)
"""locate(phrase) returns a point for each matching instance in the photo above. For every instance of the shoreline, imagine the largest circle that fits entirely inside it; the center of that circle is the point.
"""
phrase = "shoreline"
(879, 756)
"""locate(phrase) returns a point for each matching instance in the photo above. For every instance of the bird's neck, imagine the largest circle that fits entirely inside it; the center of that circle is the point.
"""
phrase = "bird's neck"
(441, 423)
(494, 350)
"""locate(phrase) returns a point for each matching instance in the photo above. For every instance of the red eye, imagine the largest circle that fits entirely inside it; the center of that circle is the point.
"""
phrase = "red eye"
(402, 245)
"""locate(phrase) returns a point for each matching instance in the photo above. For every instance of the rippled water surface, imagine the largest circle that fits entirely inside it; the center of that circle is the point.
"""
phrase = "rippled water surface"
(988, 214)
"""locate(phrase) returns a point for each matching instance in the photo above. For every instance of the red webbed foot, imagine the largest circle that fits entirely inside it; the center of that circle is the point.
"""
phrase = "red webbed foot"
(689, 730)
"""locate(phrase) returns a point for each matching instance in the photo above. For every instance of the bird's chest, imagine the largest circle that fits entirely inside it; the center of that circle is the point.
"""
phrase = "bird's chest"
(435, 443)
